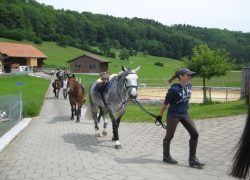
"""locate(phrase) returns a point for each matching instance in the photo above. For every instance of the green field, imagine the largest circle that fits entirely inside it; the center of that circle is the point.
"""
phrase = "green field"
(149, 73)
(197, 111)
(33, 91)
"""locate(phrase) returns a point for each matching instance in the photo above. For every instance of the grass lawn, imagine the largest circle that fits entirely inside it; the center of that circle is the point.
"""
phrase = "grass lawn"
(4, 126)
(33, 91)
(197, 111)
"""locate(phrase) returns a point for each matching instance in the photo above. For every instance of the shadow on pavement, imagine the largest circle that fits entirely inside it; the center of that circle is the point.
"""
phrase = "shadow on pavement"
(57, 119)
(84, 142)
(137, 160)
(50, 98)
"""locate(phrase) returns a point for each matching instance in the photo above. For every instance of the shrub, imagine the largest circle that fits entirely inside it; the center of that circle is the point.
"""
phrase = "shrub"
(37, 41)
(110, 54)
(159, 64)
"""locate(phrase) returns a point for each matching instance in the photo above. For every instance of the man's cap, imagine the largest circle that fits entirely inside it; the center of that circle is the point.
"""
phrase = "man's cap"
(182, 71)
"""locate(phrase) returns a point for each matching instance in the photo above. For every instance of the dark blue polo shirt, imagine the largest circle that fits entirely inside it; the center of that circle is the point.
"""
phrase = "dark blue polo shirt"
(178, 98)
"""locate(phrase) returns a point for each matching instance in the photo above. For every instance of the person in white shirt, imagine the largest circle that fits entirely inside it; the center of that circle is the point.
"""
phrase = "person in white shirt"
(65, 88)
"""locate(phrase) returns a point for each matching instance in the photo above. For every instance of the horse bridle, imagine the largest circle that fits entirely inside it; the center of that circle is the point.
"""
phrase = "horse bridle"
(127, 87)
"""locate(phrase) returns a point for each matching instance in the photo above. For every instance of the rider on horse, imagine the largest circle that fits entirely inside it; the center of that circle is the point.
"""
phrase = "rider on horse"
(103, 82)
(59, 74)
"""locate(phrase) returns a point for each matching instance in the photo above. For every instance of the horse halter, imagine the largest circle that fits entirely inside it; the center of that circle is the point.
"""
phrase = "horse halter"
(127, 86)
(131, 85)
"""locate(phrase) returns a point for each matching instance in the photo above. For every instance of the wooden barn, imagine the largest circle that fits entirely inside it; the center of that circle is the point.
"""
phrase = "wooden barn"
(18, 57)
(88, 63)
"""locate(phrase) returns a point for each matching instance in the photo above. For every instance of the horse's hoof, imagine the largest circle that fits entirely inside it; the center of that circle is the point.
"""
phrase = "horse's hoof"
(118, 146)
(77, 121)
(72, 118)
(104, 133)
(113, 139)
(97, 135)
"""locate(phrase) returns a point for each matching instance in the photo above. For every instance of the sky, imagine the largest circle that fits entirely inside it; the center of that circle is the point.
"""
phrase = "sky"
(223, 14)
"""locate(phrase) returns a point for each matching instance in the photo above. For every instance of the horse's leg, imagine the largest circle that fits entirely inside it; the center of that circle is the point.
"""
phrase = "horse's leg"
(115, 130)
(72, 110)
(57, 93)
(94, 110)
(78, 112)
(105, 125)
(118, 123)
(100, 115)
(78, 115)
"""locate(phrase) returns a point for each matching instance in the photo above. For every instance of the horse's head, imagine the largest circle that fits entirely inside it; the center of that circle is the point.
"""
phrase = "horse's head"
(71, 83)
(131, 81)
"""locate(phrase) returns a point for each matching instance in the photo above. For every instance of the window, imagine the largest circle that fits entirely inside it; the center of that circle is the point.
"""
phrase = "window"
(91, 66)
(77, 66)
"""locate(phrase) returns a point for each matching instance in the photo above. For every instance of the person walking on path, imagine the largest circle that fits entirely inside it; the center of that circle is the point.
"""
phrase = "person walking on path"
(65, 81)
(177, 98)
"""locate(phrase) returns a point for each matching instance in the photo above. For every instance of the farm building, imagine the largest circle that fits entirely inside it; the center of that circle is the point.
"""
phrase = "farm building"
(19, 57)
(88, 63)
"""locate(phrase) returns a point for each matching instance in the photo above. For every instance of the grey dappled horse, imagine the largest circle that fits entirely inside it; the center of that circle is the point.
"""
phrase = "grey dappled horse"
(122, 88)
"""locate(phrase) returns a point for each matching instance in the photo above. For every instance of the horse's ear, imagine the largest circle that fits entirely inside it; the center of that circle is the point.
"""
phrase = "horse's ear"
(137, 69)
(67, 75)
(73, 75)
(123, 68)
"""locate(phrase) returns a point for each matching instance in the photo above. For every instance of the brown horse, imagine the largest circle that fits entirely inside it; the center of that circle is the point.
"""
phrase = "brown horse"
(57, 86)
(76, 97)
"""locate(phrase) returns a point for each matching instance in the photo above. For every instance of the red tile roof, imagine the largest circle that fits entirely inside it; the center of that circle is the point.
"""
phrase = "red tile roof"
(20, 50)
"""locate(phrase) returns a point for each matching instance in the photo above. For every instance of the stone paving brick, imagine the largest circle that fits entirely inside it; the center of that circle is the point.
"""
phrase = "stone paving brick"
(54, 147)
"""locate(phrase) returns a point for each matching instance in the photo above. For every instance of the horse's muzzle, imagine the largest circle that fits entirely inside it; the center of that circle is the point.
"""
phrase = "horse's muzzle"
(133, 93)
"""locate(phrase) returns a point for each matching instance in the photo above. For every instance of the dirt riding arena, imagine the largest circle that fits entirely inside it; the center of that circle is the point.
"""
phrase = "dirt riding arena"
(217, 94)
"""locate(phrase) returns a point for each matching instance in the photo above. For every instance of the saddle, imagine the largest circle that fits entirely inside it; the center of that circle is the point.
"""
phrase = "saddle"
(103, 87)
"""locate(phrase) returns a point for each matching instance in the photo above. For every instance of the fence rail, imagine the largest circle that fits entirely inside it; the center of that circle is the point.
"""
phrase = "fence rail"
(10, 112)
(222, 94)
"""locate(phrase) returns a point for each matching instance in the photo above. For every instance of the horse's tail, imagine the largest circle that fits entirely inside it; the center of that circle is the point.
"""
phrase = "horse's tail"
(87, 114)
(90, 97)
(54, 84)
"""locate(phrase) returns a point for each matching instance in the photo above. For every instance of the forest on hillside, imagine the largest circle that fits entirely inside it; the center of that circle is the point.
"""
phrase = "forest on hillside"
(30, 20)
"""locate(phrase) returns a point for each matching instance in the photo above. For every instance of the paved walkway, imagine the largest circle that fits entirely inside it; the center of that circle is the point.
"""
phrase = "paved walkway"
(54, 147)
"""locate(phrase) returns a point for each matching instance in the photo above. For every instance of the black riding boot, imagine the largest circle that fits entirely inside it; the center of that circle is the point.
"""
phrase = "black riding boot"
(193, 161)
(166, 153)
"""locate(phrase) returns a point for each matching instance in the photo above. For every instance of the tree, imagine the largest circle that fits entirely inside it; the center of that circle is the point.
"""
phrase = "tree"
(105, 46)
(124, 54)
(208, 63)
(145, 53)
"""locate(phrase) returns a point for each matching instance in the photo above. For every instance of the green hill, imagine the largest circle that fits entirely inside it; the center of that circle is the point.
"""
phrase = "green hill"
(149, 73)
(58, 57)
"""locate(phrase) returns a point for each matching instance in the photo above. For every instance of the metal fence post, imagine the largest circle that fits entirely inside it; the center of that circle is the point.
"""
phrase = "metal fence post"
(226, 94)
(21, 106)
(9, 115)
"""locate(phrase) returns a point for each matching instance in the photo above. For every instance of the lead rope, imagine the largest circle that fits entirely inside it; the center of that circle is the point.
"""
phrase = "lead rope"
(157, 122)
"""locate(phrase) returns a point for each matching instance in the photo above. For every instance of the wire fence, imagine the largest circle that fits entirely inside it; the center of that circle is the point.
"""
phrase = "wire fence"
(10, 112)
